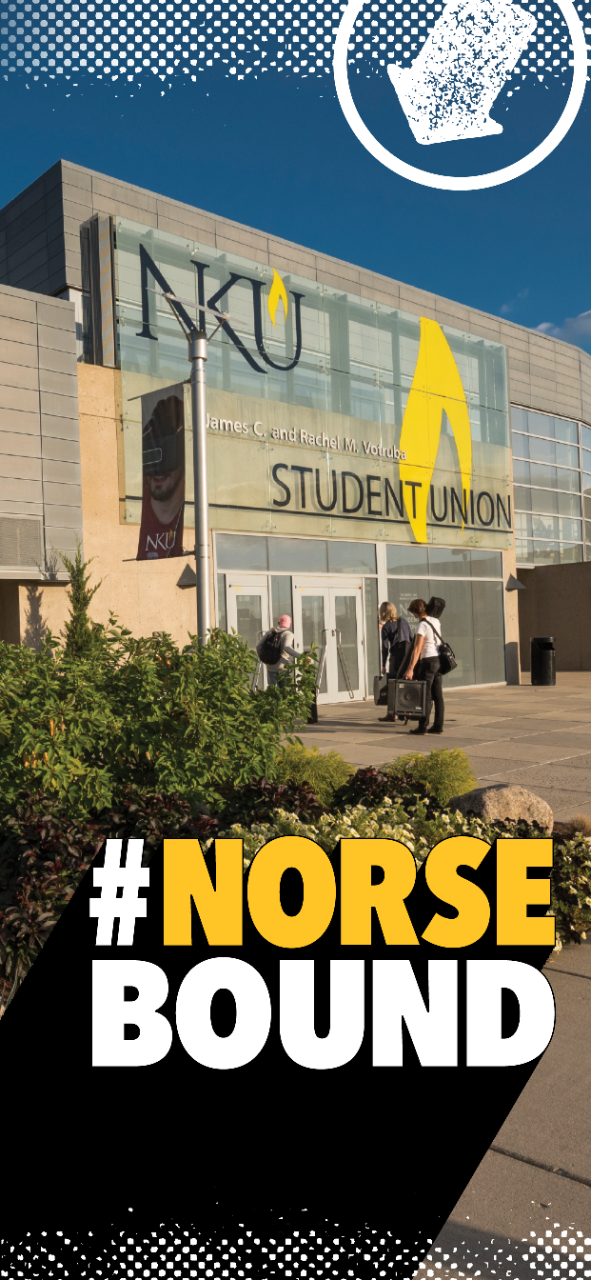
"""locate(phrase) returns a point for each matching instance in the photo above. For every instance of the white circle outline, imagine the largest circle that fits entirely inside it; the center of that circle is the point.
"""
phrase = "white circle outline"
(444, 182)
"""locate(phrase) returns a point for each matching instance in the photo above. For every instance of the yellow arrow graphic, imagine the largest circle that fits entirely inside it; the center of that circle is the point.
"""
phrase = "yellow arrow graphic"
(436, 387)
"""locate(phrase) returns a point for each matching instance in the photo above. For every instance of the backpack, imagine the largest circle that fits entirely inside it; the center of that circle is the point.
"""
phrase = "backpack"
(447, 657)
(271, 647)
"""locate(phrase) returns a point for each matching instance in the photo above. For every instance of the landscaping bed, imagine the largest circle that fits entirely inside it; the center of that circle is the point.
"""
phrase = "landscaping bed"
(112, 736)
(44, 853)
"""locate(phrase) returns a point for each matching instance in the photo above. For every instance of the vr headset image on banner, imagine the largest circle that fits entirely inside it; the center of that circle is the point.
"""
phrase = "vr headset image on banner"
(163, 469)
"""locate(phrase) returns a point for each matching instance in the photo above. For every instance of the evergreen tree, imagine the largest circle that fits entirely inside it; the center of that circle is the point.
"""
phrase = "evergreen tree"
(80, 632)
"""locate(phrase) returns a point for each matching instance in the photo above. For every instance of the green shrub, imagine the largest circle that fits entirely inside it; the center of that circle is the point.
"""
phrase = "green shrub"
(571, 888)
(44, 852)
(140, 713)
(80, 630)
(444, 773)
(414, 825)
(324, 774)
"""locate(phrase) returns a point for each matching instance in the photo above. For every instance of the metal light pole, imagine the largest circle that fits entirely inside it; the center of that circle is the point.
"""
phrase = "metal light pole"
(198, 340)
(198, 357)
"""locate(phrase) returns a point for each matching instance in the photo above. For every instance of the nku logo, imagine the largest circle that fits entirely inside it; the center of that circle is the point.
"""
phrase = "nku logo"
(277, 294)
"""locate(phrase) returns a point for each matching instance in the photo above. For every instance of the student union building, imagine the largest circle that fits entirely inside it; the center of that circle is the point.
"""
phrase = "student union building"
(367, 440)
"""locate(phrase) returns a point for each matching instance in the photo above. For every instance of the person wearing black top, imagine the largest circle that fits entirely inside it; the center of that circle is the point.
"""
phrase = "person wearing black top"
(396, 644)
(435, 607)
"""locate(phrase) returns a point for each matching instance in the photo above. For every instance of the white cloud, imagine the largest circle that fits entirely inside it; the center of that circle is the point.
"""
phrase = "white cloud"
(576, 329)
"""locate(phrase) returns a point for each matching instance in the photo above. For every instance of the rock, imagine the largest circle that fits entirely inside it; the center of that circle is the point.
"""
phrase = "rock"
(505, 802)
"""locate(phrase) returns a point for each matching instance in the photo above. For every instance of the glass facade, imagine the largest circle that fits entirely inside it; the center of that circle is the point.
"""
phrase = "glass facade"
(308, 395)
(471, 583)
(342, 433)
(551, 488)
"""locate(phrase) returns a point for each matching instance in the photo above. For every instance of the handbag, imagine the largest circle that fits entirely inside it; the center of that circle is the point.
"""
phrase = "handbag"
(447, 657)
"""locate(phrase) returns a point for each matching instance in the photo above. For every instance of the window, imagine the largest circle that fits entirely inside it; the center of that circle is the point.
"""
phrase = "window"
(547, 484)
(294, 555)
(444, 562)
(472, 623)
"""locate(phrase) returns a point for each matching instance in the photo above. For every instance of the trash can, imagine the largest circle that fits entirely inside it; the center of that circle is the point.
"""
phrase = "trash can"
(543, 660)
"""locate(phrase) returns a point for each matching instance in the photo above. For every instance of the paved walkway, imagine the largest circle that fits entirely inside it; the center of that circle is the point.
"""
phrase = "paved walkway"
(537, 737)
(531, 1195)
(527, 1210)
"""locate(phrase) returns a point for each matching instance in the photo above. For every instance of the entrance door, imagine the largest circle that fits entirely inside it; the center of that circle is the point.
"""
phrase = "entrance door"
(247, 602)
(332, 619)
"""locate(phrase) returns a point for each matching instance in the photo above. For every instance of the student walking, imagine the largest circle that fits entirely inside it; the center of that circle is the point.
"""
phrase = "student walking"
(277, 648)
(424, 665)
(396, 644)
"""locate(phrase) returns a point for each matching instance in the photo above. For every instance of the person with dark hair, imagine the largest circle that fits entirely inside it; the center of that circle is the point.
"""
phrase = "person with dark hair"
(163, 456)
(435, 607)
(396, 645)
(424, 665)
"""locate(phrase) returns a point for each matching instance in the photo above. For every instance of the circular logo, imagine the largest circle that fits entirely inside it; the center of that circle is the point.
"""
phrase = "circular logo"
(448, 182)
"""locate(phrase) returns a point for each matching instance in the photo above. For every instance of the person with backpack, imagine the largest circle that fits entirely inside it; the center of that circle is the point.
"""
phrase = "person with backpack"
(396, 644)
(277, 648)
(424, 665)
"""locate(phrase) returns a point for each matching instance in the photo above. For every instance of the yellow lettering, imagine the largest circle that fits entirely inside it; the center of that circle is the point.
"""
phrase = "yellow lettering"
(187, 879)
(264, 886)
(359, 895)
(470, 902)
(515, 892)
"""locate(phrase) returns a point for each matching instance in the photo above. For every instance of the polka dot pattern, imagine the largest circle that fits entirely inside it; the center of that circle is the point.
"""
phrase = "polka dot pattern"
(395, 33)
(304, 1253)
(296, 1253)
(145, 38)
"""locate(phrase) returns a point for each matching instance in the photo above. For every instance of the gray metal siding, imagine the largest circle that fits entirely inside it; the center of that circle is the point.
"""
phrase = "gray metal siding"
(40, 250)
(39, 433)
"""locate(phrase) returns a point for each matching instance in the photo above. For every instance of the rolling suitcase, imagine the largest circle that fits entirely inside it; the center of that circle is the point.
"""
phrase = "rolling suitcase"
(380, 691)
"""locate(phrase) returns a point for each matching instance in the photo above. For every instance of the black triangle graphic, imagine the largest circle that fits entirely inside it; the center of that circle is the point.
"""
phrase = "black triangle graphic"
(369, 1150)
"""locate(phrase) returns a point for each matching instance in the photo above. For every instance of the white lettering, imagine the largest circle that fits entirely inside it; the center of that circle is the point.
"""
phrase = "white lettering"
(253, 1013)
(258, 433)
(347, 1015)
(397, 998)
(111, 1013)
(486, 981)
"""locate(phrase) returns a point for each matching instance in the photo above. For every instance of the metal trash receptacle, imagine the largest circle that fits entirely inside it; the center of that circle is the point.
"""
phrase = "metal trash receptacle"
(543, 660)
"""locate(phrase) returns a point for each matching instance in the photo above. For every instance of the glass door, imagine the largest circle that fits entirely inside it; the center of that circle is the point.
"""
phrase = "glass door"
(248, 612)
(314, 623)
(348, 640)
(332, 619)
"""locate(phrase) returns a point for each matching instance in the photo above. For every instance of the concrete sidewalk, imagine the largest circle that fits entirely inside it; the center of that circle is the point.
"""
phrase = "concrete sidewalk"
(537, 737)
(527, 1210)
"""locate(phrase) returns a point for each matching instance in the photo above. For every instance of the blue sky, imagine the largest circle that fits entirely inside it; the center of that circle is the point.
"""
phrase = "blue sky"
(273, 150)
